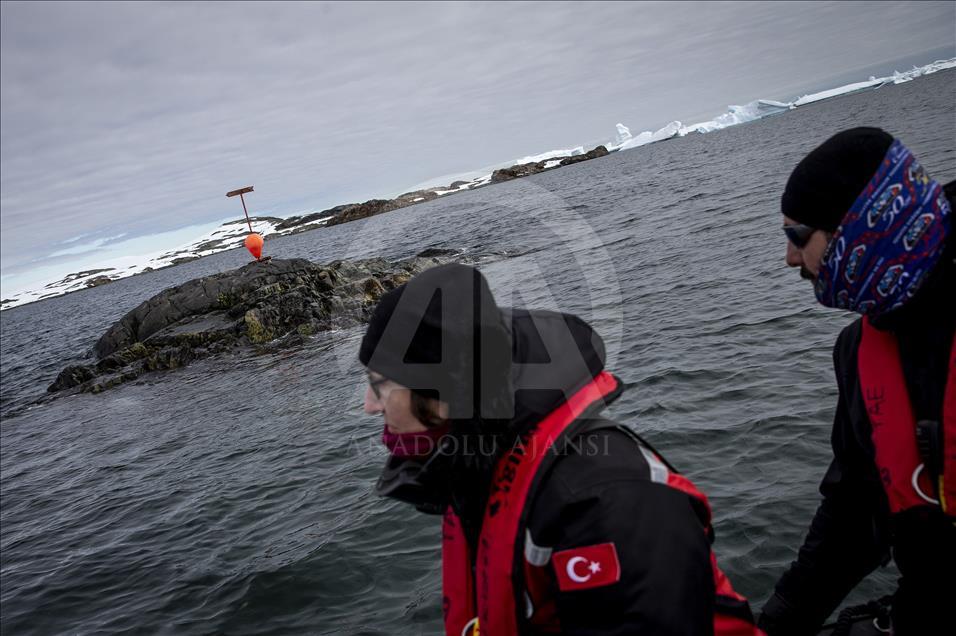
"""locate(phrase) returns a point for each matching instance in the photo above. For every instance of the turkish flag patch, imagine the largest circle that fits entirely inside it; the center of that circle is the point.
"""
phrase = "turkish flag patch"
(586, 567)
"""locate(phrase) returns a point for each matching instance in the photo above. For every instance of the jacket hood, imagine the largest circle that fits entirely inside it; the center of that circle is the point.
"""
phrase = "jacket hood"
(553, 356)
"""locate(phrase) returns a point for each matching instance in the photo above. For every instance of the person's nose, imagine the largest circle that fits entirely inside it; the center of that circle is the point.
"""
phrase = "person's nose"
(794, 256)
(372, 404)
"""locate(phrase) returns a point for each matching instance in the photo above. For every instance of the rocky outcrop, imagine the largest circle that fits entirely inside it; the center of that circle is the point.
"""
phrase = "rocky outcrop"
(364, 210)
(516, 172)
(527, 169)
(295, 222)
(378, 206)
(78, 275)
(356, 211)
(270, 302)
(99, 280)
(594, 153)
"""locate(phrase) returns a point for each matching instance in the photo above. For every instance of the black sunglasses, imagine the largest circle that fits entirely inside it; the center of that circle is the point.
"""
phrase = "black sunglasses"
(798, 234)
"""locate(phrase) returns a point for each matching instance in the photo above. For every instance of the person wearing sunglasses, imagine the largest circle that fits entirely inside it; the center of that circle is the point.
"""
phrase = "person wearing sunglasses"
(554, 519)
(805, 244)
(866, 223)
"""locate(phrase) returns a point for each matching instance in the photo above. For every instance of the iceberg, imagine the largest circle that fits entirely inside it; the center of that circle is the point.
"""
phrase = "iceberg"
(623, 134)
(760, 108)
(840, 90)
(735, 115)
(918, 71)
(757, 109)
(672, 129)
(876, 82)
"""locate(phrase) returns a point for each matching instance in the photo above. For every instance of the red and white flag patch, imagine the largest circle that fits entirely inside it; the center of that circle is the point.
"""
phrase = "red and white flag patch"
(586, 567)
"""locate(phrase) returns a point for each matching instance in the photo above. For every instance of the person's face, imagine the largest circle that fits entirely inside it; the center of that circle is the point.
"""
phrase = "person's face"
(808, 257)
(394, 403)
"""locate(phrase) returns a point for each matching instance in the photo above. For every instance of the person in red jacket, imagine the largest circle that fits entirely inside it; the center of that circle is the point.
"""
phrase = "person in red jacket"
(873, 231)
(554, 519)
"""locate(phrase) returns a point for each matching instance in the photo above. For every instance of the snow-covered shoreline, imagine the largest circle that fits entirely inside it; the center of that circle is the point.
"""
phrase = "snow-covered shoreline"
(230, 235)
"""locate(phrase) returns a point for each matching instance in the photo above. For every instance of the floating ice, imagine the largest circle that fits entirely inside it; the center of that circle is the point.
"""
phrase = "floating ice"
(623, 134)
(736, 115)
(841, 90)
(672, 129)
(918, 71)
(876, 82)
(758, 109)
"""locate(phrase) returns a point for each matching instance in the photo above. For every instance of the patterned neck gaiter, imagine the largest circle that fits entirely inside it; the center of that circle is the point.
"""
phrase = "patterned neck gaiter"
(888, 242)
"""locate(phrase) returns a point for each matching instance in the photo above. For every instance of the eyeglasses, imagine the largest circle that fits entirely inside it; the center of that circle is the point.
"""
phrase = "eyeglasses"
(798, 234)
(374, 384)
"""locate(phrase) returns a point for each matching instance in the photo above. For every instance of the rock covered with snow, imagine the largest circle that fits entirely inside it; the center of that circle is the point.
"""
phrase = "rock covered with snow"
(551, 154)
(527, 169)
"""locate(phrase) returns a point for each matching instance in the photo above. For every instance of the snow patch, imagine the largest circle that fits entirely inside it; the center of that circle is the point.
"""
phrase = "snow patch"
(551, 154)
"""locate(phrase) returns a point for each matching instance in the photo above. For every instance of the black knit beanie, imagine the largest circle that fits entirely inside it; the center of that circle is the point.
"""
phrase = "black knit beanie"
(443, 332)
(827, 181)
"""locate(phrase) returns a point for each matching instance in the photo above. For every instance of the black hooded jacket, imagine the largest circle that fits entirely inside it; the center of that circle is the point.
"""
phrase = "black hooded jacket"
(600, 491)
(853, 531)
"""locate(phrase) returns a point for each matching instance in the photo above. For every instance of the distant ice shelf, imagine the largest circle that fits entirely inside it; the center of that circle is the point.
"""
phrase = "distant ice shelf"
(760, 108)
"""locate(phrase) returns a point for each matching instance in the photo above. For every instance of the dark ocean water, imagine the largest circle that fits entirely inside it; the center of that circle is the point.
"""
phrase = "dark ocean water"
(235, 495)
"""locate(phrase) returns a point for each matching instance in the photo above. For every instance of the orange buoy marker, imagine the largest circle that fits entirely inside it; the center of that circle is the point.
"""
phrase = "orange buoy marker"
(253, 241)
(254, 245)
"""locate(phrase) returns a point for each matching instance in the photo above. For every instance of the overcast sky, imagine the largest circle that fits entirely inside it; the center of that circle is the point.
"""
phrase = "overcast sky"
(130, 120)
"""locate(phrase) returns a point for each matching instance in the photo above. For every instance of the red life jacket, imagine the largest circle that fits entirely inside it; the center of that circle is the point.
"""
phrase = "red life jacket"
(486, 601)
(905, 479)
